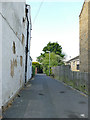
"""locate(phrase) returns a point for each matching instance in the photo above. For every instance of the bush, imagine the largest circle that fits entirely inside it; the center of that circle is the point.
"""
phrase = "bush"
(38, 66)
(33, 70)
(46, 71)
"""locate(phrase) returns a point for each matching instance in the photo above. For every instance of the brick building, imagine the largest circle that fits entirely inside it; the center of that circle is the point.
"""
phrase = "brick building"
(84, 20)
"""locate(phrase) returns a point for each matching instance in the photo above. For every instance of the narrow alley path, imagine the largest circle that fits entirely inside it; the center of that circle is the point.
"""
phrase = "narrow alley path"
(45, 97)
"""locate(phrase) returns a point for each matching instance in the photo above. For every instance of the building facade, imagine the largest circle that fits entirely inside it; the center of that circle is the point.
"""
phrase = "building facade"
(84, 23)
(74, 63)
(28, 59)
(16, 35)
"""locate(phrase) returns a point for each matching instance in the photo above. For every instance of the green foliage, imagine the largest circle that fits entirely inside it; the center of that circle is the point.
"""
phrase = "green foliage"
(56, 56)
(39, 67)
(36, 64)
(33, 70)
(53, 47)
(55, 60)
(73, 83)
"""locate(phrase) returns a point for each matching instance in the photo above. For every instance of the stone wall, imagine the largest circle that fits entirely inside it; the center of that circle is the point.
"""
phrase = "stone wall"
(78, 80)
(89, 37)
(84, 24)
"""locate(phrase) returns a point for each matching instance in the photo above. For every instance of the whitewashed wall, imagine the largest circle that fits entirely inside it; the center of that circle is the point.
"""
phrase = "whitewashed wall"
(14, 35)
(0, 60)
(30, 68)
(13, 73)
(29, 71)
(29, 61)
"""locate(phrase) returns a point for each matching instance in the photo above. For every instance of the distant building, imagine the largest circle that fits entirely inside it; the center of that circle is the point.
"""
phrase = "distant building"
(74, 63)
(84, 23)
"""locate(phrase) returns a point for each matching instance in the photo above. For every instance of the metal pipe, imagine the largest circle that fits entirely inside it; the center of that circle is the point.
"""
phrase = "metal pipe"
(26, 50)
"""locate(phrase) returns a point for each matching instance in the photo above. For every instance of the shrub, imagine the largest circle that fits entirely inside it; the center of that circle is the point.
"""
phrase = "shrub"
(33, 70)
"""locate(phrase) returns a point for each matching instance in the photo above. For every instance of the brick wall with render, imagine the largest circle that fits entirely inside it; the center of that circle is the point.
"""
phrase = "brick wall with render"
(83, 22)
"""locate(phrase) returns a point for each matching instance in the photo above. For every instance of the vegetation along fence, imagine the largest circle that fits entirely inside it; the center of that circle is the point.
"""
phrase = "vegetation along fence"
(75, 79)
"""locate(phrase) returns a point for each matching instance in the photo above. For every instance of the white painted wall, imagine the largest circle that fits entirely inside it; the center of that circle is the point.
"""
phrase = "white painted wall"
(12, 30)
(29, 61)
(11, 22)
(0, 59)
(29, 70)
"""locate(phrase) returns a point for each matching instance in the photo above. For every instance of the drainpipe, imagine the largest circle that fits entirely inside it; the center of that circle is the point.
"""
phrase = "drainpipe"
(26, 48)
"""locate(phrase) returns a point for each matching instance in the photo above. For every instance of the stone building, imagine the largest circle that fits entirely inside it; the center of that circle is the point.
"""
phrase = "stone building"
(16, 67)
(84, 23)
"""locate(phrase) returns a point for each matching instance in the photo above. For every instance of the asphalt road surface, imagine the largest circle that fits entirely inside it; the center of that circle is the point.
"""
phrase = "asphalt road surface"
(45, 97)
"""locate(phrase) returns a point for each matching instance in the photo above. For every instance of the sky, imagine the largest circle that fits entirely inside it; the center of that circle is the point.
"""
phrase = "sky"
(56, 21)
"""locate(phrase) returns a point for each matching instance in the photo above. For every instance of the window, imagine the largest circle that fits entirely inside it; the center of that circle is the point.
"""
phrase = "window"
(77, 66)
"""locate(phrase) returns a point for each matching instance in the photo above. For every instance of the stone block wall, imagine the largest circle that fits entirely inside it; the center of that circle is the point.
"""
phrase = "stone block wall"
(89, 36)
(83, 22)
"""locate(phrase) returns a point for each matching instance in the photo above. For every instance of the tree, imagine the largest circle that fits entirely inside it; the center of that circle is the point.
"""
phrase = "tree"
(54, 47)
(38, 66)
(56, 56)
(55, 60)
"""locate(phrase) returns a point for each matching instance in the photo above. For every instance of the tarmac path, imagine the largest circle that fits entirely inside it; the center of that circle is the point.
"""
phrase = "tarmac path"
(45, 97)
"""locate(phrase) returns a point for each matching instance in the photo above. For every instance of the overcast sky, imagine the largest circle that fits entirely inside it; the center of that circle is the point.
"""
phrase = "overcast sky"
(55, 22)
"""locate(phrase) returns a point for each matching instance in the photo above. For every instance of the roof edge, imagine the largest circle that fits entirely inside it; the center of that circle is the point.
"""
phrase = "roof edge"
(73, 58)
(82, 7)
